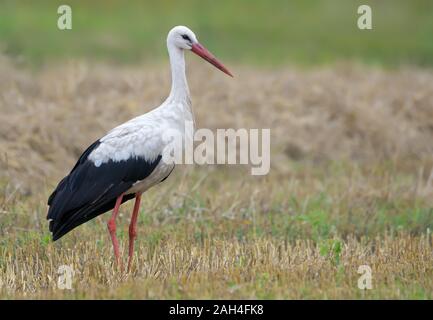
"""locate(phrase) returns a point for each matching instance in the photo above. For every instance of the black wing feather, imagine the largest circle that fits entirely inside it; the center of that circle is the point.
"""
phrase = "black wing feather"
(89, 191)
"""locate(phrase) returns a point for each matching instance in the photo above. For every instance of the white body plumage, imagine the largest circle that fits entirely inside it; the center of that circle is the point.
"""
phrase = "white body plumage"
(142, 137)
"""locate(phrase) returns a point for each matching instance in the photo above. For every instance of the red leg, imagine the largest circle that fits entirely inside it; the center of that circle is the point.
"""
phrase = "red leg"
(133, 228)
(112, 228)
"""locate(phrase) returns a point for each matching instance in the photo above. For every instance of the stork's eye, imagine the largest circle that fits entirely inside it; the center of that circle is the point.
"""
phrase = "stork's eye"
(184, 36)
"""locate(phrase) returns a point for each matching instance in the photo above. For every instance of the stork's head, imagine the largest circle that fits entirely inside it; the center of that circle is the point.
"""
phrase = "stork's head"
(183, 38)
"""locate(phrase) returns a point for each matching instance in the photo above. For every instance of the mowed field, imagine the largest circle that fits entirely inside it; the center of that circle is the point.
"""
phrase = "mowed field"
(350, 184)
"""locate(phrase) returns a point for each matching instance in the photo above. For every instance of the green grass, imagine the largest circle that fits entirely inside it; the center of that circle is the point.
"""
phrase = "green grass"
(252, 32)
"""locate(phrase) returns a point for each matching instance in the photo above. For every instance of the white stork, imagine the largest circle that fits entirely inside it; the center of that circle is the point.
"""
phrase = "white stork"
(127, 161)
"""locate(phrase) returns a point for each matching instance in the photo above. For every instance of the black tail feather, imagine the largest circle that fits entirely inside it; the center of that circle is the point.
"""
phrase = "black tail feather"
(74, 219)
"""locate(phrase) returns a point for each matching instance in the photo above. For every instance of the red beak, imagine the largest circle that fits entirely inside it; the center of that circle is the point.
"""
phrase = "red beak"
(201, 51)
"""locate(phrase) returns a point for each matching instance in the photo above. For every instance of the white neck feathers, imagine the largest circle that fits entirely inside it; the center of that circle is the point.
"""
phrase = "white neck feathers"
(179, 86)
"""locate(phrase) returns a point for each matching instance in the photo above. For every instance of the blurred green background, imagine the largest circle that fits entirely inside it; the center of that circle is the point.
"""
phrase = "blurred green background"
(251, 32)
